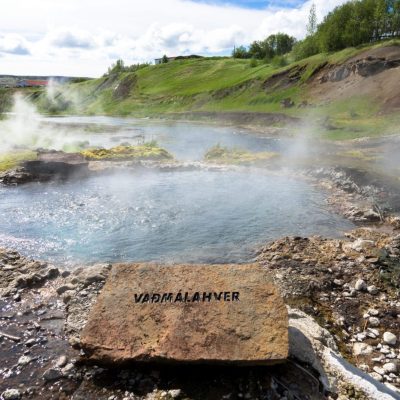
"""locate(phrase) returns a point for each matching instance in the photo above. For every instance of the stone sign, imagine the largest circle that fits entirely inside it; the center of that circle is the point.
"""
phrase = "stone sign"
(188, 313)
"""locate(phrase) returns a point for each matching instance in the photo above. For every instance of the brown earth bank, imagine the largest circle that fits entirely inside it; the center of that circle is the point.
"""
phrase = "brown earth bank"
(339, 82)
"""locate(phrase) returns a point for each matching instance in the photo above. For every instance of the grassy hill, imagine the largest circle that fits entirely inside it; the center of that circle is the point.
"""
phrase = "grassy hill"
(352, 107)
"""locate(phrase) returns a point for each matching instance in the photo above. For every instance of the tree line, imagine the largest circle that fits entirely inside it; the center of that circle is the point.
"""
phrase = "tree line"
(351, 24)
(274, 45)
(348, 25)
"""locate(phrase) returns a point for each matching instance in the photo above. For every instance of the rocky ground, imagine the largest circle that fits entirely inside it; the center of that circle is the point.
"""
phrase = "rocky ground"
(344, 310)
(349, 286)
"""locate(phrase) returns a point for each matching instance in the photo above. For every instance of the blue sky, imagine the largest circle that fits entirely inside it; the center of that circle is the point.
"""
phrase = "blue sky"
(75, 37)
(256, 4)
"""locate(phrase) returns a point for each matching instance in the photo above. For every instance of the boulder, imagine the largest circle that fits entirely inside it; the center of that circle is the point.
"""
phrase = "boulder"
(229, 314)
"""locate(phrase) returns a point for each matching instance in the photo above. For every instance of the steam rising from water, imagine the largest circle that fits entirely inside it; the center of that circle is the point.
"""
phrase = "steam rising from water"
(197, 216)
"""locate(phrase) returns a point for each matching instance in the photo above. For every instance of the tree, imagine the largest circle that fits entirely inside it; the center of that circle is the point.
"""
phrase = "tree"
(274, 45)
(164, 59)
(240, 52)
(312, 20)
(116, 68)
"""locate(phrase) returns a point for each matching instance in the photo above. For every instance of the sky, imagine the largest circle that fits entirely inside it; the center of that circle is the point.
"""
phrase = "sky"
(84, 37)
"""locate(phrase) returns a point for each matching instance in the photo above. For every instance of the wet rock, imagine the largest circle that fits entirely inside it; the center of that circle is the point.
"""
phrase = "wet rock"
(20, 272)
(30, 342)
(90, 274)
(11, 394)
(16, 177)
(61, 361)
(24, 360)
(64, 288)
(389, 338)
(52, 374)
(213, 313)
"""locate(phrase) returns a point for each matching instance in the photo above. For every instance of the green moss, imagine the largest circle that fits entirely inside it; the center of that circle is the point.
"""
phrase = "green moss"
(13, 159)
(147, 151)
(223, 155)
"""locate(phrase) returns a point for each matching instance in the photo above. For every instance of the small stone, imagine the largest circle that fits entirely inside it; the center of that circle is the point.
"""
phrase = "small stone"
(11, 394)
(385, 350)
(68, 369)
(373, 321)
(24, 360)
(61, 361)
(338, 282)
(379, 370)
(390, 367)
(372, 289)
(64, 288)
(360, 285)
(375, 332)
(52, 374)
(174, 393)
(373, 311)
(17, 297)
(30, 342)
(376, 376)
(389, 338)
(65, 274)
(362, 349)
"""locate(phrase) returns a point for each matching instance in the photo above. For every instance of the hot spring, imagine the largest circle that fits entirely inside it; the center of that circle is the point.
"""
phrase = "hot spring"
(177, 216)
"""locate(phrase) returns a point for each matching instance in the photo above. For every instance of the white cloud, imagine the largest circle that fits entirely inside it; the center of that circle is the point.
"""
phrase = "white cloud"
(72, 38)
(77, 37)
(13, 44)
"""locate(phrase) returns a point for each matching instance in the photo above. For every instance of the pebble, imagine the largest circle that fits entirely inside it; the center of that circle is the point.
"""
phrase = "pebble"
(30, 342)
(373, 311)
(61, 361)
(64, 288)
(11, 394)
(174, 393)
(68, 369)
(360, 285)
(389, 338)
(372, 289)
(362, 349)
(17, 297)
(379, 370)
(24, 360)
(376, 376)
(52, 374)
(373, 321)
(390, 367)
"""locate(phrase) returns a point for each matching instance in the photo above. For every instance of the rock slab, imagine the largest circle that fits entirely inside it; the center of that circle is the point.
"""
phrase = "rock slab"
(187, 313)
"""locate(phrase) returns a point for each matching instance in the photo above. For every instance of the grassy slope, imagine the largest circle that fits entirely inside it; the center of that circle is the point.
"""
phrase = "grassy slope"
(225, 84)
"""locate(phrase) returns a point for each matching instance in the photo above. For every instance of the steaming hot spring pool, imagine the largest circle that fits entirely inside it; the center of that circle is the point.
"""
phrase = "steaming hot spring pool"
(181, 216)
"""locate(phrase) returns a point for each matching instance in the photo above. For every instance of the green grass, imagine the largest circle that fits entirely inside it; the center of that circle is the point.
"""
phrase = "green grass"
(13, 159)
(147, 151)
(224, 155)
(223, 84)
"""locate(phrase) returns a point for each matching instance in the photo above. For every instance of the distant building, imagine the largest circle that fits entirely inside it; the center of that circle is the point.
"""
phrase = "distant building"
(160, 60)
(32, 83)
